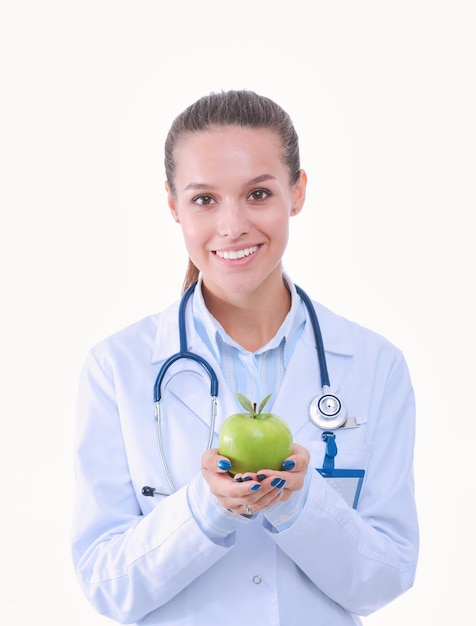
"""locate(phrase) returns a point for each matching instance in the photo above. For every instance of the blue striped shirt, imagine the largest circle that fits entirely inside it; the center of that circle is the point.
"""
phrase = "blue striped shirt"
(254, 374)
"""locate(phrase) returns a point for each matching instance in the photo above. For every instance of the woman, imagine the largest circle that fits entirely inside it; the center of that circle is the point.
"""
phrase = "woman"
(277, 547)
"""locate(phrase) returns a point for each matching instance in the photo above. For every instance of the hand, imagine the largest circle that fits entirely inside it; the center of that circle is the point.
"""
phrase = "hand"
(250, 493)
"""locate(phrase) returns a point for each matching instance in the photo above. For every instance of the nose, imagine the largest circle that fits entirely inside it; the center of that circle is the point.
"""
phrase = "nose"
(233, 220)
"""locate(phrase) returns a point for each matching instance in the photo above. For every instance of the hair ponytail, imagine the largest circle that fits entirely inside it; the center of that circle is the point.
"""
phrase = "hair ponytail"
(191, 276)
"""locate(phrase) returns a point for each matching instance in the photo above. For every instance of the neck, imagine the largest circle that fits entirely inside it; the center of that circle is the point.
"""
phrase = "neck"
(252, 319)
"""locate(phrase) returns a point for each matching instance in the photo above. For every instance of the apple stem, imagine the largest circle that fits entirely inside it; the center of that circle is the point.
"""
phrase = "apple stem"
(254, 408)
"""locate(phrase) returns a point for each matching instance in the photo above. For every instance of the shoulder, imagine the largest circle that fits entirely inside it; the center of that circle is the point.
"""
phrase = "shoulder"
(371, 357)
(139, 338)
(342, 335)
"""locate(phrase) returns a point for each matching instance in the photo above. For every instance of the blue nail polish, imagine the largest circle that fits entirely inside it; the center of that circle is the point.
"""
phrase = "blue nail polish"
(255, 487)
(224, 464)
(289, 464)
(246, 478)
(261, 476)
(281, 484)
(275, 482)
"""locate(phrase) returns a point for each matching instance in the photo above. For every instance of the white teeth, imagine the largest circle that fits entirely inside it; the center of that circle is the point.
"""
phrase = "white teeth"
(236, 254)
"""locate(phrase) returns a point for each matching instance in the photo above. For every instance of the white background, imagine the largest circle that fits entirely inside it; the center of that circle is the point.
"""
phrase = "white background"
(383, 97)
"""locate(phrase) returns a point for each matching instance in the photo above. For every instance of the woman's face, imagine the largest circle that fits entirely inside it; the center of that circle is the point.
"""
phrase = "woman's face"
(233, 200)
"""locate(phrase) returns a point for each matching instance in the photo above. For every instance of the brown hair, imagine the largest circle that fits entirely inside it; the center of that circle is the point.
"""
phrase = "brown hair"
(232, 108)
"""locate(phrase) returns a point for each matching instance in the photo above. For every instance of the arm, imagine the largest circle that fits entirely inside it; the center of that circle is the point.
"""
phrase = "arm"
(128, 563)
(364, 559)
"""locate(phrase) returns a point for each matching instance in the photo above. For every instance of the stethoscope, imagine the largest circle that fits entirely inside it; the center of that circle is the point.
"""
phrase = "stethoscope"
(326, 411)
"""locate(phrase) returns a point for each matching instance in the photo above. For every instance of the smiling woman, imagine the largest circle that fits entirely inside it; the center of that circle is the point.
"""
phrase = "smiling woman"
(236, 229)
(234, 180)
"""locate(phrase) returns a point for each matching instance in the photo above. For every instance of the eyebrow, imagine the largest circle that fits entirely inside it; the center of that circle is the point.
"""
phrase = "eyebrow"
(253, 181)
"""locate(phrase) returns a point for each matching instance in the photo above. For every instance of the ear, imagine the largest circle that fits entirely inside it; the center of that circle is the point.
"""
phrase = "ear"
(171, 202)
(299, 193)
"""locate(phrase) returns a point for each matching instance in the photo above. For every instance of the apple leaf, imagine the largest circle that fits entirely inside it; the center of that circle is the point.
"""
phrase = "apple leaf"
(251, 408)
(263, 402)
(245, 403)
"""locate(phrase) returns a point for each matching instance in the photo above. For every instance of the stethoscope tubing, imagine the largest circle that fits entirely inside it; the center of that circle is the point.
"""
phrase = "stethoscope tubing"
(325, 410)
(325, 382)
(184, 353)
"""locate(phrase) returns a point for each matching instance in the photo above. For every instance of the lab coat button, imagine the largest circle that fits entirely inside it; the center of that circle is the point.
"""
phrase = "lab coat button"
(256, 579)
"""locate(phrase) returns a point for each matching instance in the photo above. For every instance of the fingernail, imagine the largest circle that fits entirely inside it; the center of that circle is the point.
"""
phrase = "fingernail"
(246, 478)
(261, 476)
(255, 487)
(238, 479)
(224, 464)
(289, 464)
(275, 482)
(281, 484)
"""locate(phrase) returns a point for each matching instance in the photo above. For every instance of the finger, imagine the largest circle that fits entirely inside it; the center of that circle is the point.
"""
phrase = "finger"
(260, 502)
(243, 478)
(213, 461)
(223, 464)
(298, 461)
(287, 480)
(249, 486)
(289, 464)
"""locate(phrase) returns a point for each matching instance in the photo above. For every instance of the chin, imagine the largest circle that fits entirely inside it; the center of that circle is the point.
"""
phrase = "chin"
(242, 286)
(240, 282)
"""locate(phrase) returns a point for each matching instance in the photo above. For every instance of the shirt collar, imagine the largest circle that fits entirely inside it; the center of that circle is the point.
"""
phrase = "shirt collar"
(338, 333)
(211, 331)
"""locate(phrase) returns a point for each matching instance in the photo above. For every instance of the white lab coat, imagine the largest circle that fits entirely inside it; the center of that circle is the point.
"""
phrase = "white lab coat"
(146, 560)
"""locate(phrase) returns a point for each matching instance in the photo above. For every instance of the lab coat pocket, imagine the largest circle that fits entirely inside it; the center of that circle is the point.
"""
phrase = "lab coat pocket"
(349, 456)
(353, 447)
(343, 464)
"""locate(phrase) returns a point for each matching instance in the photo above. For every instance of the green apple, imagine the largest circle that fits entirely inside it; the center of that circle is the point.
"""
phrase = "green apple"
(254, 440)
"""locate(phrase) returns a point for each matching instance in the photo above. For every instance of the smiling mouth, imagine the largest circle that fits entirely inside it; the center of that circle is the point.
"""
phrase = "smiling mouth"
(236, 254)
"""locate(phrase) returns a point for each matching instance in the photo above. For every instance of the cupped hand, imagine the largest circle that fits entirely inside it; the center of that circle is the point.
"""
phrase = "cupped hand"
(250, 493)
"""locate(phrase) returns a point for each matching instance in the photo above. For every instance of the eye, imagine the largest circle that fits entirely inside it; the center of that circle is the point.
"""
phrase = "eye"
(203, 200)
(259, 194)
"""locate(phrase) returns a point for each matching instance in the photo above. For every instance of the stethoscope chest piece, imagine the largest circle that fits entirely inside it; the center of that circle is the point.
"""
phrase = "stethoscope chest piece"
(327, 411)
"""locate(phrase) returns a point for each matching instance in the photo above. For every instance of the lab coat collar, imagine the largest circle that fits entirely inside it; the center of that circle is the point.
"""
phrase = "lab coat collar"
(167, 340)
(336, 332)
